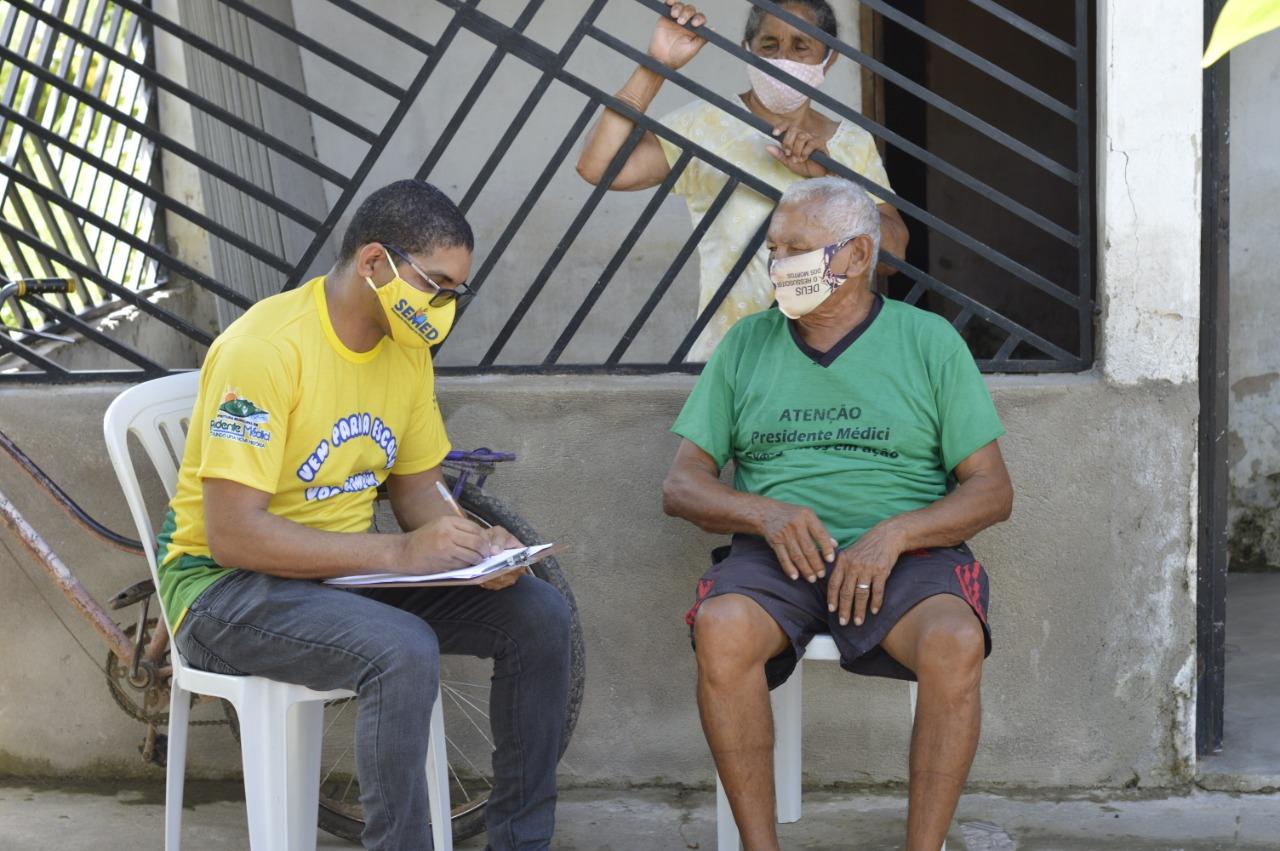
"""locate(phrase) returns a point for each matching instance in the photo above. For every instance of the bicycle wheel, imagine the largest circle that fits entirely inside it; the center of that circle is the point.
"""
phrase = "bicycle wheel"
(464, 686)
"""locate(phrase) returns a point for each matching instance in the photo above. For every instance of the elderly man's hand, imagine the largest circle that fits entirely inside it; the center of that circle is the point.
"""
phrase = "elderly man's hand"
(799, 539)
(860, 574)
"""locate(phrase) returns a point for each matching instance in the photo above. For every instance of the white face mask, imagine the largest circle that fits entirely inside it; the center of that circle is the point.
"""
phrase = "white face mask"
(801, 282)
(777, 96)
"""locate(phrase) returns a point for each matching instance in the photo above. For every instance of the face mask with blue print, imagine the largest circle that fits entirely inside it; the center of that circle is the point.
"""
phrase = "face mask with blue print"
(415, 322)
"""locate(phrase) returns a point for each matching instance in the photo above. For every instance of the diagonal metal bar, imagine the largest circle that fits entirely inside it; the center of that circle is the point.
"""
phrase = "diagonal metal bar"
(108, 342)
(615, 262)
(752, 246)
(966, 55)
(673, 268)
(379, 144)
(468, 101)
(166, 142)
(153, 251)
(539, 56)
(917, 212)
(557, 253)
(925, 156)
(987, 129)
(531, 101)
(983, 312)
(1041, 35)
(315, 47)
(165, 202)
(123, 293)
(188, 96)
(30, 355)
(228, 58)
(44, 210)
(399, 33)
(530, 199)
(161, 200)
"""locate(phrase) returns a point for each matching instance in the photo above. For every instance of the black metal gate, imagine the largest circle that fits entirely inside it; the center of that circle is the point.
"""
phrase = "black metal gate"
(93, 187)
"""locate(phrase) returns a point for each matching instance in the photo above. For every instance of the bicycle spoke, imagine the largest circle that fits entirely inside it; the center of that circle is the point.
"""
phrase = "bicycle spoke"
(336, 763)
(454, 683)
(350, 780)
(457, 695)
(467, 715)
(456, 778)
(338, 715)
(468, 761)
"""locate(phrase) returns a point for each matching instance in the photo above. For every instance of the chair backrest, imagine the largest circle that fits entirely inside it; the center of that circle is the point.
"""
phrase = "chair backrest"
(157, 414)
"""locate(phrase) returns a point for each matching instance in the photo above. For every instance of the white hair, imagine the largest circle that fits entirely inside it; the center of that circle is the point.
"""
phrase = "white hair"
(847, 210)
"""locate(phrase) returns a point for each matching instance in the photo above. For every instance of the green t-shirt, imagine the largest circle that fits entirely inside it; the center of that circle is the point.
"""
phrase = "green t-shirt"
(867, 431)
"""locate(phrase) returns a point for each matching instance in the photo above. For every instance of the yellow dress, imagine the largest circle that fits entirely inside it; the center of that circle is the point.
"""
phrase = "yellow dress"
(744, 146)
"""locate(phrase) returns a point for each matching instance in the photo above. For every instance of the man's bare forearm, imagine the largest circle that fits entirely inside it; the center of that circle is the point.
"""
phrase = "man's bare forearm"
(711, 505)
(266, 543)
(976, 504)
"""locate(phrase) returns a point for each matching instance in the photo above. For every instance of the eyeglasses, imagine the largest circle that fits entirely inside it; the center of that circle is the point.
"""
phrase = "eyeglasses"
(443, 295)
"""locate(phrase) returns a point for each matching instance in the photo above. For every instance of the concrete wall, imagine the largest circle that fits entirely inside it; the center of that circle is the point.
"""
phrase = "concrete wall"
(1255, 307)
(1090, 603)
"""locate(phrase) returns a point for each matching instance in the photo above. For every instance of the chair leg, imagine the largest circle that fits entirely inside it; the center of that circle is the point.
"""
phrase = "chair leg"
(727, 836)
(438, 780)
(175, 765)
(263, 751)
(305, 735)
(787, 754)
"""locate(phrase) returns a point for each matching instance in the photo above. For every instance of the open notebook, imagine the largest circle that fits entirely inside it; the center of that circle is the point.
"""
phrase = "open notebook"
(474, 574)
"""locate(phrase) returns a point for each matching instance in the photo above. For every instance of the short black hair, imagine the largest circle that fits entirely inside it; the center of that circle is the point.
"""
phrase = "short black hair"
(412, 215)
(824, 17)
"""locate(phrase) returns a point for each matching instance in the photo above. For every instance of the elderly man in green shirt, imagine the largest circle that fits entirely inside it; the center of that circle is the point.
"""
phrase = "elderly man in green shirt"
(865, 453)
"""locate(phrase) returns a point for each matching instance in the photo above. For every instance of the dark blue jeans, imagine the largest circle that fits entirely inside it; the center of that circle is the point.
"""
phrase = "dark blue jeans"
(385, 645)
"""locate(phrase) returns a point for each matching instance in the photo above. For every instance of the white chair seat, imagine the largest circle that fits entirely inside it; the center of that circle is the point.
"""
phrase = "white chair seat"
(280, 723)
(787, 704)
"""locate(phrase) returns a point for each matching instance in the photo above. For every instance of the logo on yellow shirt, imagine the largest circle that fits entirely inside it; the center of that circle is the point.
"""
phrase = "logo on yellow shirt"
(238, 419)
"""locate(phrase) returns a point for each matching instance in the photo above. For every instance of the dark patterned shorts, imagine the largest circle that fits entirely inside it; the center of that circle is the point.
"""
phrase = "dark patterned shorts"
(749, 567)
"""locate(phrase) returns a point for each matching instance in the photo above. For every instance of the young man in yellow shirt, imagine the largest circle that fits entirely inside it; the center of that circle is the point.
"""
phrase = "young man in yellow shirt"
(307, 404)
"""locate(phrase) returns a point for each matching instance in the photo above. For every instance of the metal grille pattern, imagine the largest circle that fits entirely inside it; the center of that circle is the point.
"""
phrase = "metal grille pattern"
(71, 50)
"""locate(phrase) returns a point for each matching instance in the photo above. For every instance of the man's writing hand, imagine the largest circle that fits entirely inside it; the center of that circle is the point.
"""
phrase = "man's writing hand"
(502, 540)
(445, 543)
(868, 563)
(799, 540)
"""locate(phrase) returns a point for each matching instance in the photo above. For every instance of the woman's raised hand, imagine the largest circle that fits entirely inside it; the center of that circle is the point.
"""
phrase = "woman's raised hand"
(671, 44)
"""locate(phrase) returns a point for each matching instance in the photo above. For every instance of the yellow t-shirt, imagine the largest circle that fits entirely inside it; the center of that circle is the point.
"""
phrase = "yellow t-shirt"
(744, 146)
(284, 407)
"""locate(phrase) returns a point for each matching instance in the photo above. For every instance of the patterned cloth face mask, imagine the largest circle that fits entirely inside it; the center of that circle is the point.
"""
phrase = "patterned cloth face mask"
(801, 282)
(777, 96)
(415, 322)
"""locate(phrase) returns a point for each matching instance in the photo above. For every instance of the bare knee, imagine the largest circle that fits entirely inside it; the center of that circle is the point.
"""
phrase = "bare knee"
(733, 635)
(949, 653)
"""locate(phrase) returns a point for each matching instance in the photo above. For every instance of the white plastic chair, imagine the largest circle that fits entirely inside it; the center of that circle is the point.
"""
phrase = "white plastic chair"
(280, 723)
(787, 705)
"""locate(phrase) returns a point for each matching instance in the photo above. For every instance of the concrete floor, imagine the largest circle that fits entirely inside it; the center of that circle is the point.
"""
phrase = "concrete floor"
(1250, 758)
(103, 819)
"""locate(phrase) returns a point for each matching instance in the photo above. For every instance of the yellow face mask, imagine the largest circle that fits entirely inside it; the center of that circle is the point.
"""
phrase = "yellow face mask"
(415, 322)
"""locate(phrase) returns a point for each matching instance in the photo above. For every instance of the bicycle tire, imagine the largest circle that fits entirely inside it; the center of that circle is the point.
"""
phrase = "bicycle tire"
(344, 819)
